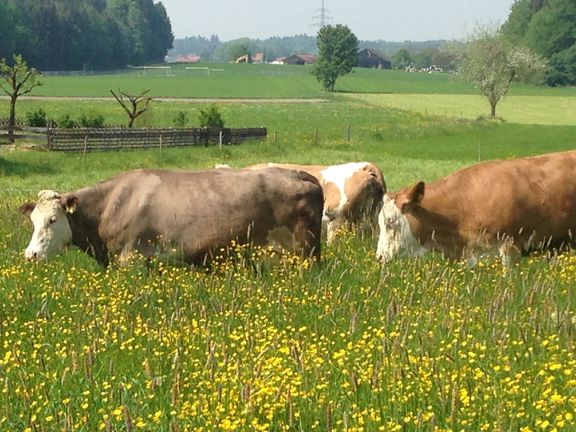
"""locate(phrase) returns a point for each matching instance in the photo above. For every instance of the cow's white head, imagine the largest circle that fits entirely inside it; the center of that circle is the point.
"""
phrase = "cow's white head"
(52, 231)
(396, 238)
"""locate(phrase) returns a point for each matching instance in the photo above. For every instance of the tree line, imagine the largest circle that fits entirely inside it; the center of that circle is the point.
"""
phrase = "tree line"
(212, 49)
(548, 27)
(84, 34)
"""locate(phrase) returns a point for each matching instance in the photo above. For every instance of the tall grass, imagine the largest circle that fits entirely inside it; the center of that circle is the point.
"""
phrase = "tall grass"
(418, 345)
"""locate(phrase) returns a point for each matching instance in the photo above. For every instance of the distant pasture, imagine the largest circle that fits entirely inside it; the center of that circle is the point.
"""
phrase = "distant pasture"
(535, 110)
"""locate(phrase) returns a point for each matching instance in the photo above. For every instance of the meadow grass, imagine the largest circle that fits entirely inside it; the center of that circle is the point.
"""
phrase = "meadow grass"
(419, 345)
(258, 344)
(267, 81)
(525, 109)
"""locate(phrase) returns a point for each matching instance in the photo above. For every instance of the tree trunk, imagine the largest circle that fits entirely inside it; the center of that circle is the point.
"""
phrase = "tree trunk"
(12, 119)
(492, 110)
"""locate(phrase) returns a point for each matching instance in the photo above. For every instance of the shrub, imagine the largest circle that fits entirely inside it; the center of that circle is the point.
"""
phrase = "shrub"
(91, 120)
(180, 120)
(66, 122)
(211, 117)
(36, 118)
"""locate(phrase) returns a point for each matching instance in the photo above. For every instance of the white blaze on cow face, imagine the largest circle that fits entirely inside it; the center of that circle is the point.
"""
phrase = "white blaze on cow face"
(396, 239)
(52, 231)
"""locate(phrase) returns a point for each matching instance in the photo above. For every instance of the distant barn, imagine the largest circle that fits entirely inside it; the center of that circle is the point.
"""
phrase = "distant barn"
(371, 58)
(299, 59)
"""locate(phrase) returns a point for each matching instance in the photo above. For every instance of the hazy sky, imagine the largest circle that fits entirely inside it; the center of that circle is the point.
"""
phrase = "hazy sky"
(390, 20)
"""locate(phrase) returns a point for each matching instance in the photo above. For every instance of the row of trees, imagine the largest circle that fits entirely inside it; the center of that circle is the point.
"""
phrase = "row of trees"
(215, 50)
(84, 34)
(419, 54)
(548, 28)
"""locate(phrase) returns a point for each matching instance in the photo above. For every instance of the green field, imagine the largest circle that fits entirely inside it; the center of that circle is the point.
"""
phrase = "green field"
(419, 345)
(266, 81)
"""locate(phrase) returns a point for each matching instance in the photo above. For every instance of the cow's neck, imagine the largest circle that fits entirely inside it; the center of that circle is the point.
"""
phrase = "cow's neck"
(85, 222)
(435, 222)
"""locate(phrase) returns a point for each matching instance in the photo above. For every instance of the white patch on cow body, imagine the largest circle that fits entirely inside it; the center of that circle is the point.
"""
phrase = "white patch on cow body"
(396, 239)
(52, 231)
(339, 175)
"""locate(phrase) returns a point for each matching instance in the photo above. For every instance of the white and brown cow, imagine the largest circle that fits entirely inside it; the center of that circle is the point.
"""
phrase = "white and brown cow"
(187, 214)
(508, 207)
(352, 193)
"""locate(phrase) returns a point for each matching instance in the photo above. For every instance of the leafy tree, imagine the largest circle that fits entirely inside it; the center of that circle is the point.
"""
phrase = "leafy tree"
(17, 80)
(161, 34)
(402, 59)
(521, 13)
(424, 58)
(492, 63)
(337, 54)
(549, 29)
(147, 26)
(237, 50)
(562, 69)
(82, 34)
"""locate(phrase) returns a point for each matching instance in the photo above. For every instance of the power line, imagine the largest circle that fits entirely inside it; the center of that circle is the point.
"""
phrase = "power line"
(322, 16)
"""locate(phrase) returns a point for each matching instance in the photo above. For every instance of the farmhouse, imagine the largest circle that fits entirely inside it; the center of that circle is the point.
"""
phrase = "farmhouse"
(299, 59)
(258, 58)
(188, 58)
(371, 58)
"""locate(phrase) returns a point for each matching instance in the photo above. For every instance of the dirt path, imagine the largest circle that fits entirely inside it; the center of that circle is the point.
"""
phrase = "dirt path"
(182, 100)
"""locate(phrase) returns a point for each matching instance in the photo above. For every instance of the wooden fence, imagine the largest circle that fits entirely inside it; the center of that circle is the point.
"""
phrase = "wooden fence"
(23, 133)
(106, 139)
(118, 138)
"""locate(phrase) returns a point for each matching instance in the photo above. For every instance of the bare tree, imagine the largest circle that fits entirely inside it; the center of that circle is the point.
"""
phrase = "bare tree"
(492, 64)
(16, 81)
(133, 105)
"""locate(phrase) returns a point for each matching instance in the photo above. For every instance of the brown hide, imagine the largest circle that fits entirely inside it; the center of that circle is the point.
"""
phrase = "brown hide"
(528, 202)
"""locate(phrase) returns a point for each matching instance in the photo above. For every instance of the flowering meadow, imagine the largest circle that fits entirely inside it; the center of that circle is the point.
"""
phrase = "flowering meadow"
(264, 343)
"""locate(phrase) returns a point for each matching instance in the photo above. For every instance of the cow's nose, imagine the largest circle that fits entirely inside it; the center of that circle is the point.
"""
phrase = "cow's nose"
(31, 255)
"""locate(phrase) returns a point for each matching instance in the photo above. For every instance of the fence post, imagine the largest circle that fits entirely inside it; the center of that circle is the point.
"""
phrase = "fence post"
(49, 138)
(85, 147)
(160, 143)
(220, 139)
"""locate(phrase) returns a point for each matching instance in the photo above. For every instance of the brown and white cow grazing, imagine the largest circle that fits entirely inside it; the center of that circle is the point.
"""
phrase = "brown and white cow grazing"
(186, 214)
(509, 206)
(352, 193)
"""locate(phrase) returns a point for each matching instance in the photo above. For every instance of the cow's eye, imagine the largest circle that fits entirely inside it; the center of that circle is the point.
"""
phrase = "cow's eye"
(52, 220)
(391, 222)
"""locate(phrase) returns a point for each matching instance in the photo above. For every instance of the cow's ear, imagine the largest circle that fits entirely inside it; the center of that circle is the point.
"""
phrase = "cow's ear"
(417, 192)
(71, 203)
(411, 197)
(27, 208)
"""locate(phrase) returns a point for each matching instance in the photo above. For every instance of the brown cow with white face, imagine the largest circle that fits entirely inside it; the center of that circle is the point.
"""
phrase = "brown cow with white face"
(187, 215)
(352, 193)
(509, 207)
